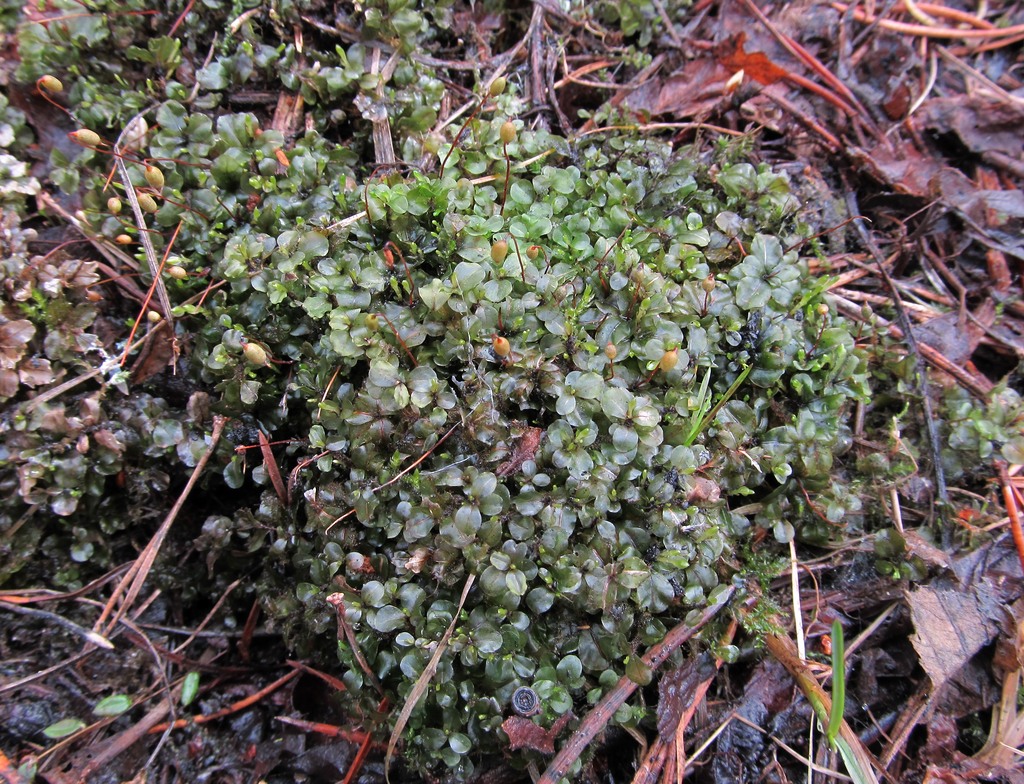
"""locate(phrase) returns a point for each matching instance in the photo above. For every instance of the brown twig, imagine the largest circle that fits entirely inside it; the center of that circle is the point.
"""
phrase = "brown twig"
(930, 421)
(400, 341)
(148, 724)
(245, 642)
(653, 763)
(209, 616)
(784, 651)
(809, 122)
(418, 460)
(364, 750)
(522, 267)
(140, 221)
(600, 715)
(849, 100)
(156, 286)
(330, 730)
(330, 680)
(234, 707)
(90, 636)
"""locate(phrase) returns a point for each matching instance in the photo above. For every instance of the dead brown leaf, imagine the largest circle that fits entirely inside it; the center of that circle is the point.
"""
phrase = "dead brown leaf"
(156, 355)
(8, 382)
(983, 125)
(35, 372)
(950, 627)
(14, 337)
(525, 449)
(691, 92)
(676, 691)
(524, 734)
(955, 336)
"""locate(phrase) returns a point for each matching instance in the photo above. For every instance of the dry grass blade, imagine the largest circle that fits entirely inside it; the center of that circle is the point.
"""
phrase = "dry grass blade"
(131, 584)
(383, 146)
(235, 707)
(418, 460)
(1007, 732)
(338, 601)
(157, 286)
(140, 221)
(270, 463)
(424, 680)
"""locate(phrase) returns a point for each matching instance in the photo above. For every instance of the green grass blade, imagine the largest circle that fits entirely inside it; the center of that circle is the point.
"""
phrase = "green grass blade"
(835, 719)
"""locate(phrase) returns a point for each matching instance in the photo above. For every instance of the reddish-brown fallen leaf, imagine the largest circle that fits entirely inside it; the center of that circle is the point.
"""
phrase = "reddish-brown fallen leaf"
(941, 746)
(597, 719)
(524, 734)
(756, 65)
(14, 338)
(692, 91)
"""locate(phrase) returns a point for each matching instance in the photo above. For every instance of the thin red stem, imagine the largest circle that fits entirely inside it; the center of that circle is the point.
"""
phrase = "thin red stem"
(400, 341)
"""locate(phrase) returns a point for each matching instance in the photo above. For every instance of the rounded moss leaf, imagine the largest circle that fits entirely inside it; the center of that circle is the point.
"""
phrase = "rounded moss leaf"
(516, 583)
(468, 276)
(615, 402)
(387, 619)
(638, 671)
(460, 743)
(540, 600)
(570, 669)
